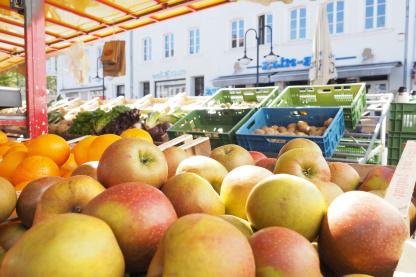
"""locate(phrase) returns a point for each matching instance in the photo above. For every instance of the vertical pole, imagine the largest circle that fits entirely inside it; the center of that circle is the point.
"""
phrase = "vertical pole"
(103, 89)
(257, 68)
(35, 57)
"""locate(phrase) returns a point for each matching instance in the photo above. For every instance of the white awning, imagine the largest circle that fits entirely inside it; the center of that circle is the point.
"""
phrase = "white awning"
(79, 89)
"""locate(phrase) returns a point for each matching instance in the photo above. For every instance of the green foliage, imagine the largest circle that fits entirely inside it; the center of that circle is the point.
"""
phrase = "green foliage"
(84, 122)
(108, 117)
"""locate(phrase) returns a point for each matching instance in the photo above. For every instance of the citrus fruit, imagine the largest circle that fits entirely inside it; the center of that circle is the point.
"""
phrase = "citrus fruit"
(81, 148)
(51, 146)
(137, 133)
(9, 163)
(35, 167)
(98, 146)
(3, 138)
(4, 149)
(19, 147)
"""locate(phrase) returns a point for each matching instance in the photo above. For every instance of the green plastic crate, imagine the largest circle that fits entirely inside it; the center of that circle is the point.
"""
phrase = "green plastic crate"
(357, 150)
(219, 125)
(263, 95)
(352, 97)
(395, 143)
(402, 118)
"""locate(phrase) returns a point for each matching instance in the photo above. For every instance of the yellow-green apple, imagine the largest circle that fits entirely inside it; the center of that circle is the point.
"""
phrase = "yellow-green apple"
(203, 245)
(70, 195)
(2, 254)
(267, 163)
(10, 234)
(329, 190)
(189, 193)
(66, 245)
(362, 233)
(286, 201)
(303, 162)
(378, 178)
(232, 156)
(257, 155)
(207, 168)
(345, 176)
(299, 143)
(238, 184)
(174, 156)
(280, 251)
(8, 199)
(29, 198)
(241, 224)
(138, 214)
(88, 168)
(132, 160)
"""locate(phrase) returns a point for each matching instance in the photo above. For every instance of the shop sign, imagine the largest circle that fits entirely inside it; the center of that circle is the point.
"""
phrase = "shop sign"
(284, 62)
(168, 74)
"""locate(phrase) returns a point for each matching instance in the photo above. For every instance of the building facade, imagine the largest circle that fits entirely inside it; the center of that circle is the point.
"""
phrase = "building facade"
(373, 41)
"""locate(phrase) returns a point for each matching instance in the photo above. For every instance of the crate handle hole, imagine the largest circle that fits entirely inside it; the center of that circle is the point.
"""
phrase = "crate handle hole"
(249, 93)
(280, 141)
(251, 124)
(347, 87)
(324, 91)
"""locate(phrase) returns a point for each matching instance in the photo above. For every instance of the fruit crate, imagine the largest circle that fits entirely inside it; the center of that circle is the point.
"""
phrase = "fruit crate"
(402, 118)
(283, 117)
(263, 95)
(395, 143)
(351, 97)
(376, 159)
(219, 125)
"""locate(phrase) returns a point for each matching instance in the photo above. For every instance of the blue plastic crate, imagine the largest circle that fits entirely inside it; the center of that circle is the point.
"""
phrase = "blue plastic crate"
(283, 117)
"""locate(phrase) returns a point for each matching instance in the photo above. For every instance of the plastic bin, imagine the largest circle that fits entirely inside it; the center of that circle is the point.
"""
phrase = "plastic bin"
(402, 118)
(219, 125)
(395, 143)
(283, 117)
(352, 97)
(357, 150)
(262, 95)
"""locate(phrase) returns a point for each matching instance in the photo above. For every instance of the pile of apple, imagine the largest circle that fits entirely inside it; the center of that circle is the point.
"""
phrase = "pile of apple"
(237, 213)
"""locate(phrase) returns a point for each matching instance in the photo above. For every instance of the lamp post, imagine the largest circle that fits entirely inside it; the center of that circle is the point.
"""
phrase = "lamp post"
(98, 78)
(271, 57)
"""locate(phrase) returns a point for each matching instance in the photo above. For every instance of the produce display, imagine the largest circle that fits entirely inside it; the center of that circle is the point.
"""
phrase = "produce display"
(244, 104)
(164, 213)
(301, 128)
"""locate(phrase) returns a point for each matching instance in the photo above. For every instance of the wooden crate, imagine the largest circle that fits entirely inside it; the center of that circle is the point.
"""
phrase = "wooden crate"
(189, 103)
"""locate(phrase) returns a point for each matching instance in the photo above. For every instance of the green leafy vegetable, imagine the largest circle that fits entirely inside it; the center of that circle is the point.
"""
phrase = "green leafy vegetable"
(108, 117)
(84, 122)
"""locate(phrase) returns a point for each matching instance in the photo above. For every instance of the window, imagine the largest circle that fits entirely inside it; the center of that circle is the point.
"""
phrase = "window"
(169, 46)
(265, 34)
(298, 23)
(100, 52)
(194, 41)
(147, 49)
(146, 88)
(199, 86)
(237, 33)
(335, 12)
(375, 14)
(120, 90)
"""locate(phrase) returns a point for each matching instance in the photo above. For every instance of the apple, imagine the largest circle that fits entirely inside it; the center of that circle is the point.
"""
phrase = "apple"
(174, 156)
(207, 168)
(66, 245)
(10, 234)
(2, 255)
(362, 233)
(345, 176)
(138, 214)
(70, 195)
(203, 245)
(241, 224)
(190, 193)
(280, 251)
(232, 156)
(267, 163)
(29, 198)
(286, 201)
(132, 160)
(257, 155)
(88, 168)
(329, 190)
(378, 178)
(8, 199)
(303, 162)
(299, 143)
(238, 184)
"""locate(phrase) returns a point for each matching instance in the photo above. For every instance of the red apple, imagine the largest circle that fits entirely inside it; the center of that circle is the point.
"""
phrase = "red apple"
(303, 162)
(29, 198)
(232, 156)
(8, 199)
(378, 178)
(138, 214)
(70, 195)
(362, 233)
(345, 176)
(280, 251)
(257, 155)
(174, 156)
(10, 234)
(299, 143)
(132, 160)
(88, 168)
(267, 163)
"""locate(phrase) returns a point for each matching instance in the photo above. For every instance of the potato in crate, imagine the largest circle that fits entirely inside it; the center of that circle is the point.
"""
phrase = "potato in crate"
(270, 128)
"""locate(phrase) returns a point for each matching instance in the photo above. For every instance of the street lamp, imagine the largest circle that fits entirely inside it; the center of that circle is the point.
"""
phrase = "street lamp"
(271, 57)
(98, 78)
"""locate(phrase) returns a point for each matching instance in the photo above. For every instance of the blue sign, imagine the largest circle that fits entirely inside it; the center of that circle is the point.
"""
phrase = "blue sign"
(282, 62)
(168, 74)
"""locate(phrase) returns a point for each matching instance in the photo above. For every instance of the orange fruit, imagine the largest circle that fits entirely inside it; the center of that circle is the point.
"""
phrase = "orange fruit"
(3, 138)
(35, 167)
(70, 163)
(19, 147)
(27, 143)
(98, 146)
(81, 148)
(1, 156)
(4, 149)
(19, 187)
(65, 171)
(51, 146)
(10, 143)
(10, 162)
(137, 133)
